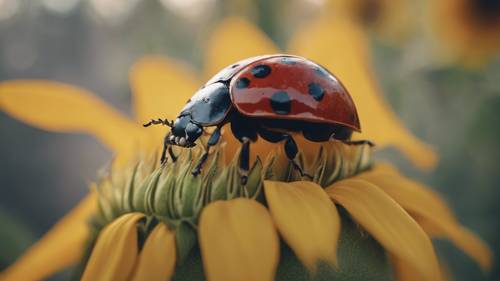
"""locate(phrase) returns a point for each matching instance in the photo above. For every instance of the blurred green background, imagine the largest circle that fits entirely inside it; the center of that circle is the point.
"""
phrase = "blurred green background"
(92, 44)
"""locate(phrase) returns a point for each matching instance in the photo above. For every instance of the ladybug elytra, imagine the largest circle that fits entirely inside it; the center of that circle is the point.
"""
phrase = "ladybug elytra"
(272, 96)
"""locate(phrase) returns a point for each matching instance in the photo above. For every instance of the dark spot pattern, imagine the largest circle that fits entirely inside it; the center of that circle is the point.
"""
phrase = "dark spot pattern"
(242, 83)
(287, 60)
(321, 72)
(234, 65)
(281, 103)
(316, 91)
(261, 71)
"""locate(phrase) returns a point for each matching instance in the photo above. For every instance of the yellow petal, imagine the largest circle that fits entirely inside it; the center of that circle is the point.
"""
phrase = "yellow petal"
(306, 219)
(412, 196)
(62, 246)
(160, 87)
(463, 238)
(157, 258)
(340, 46)
(431, 212)
(64, 108)
(115, 251)
(404, 272)
(238, 241)
(384, 167)
(388, 223)
(232, 40)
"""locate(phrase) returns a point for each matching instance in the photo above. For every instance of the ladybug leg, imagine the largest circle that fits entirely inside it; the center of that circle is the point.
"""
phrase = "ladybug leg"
(163, 158)
(291, 151)
(167, 147)
(171, 153)
(244, 160)
(213, 140)
(245, 131)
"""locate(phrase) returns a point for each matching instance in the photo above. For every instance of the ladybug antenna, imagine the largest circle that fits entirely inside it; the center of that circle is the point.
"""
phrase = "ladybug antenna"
(159, 121)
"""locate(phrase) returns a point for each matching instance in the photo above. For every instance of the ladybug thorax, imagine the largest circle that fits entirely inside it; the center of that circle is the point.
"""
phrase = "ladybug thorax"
(209, 105)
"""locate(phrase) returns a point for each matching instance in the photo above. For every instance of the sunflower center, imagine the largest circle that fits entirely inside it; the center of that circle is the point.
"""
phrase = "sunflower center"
(485, 12)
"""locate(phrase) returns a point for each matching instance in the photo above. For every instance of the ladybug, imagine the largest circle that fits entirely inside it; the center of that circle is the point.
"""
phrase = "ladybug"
(272, 97)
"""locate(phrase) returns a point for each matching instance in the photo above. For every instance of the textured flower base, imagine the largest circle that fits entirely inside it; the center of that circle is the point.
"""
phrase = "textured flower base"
(169, 194)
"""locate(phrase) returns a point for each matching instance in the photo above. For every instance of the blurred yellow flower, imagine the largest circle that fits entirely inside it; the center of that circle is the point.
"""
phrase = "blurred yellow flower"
(468, 30)
(391, 20)
(160, 88)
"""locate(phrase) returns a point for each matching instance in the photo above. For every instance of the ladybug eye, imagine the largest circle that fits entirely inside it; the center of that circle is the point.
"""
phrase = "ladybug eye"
(206, 100)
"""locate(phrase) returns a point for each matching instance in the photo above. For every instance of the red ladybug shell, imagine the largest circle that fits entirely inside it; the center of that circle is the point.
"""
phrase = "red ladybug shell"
(290, 87)
(228, 72)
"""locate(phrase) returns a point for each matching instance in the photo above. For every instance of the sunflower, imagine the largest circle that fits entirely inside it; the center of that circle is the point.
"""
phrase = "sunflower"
(140, 209)
(468, 30)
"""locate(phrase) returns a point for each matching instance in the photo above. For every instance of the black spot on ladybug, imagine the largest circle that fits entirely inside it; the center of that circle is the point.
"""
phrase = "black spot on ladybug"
(281, 103)
(289, 61)
(242, 83)
(261, 71)
(316, 91)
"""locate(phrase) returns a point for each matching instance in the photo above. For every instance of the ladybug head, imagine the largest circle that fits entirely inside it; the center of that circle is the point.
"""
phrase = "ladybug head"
(207, 107)
(184, 132)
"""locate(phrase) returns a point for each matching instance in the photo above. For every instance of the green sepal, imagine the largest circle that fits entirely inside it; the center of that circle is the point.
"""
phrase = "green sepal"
(141, 193)
(185, 238)
(128, 192)
(254, 183)
(219, 186)
(188, 191)
(162, 202)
